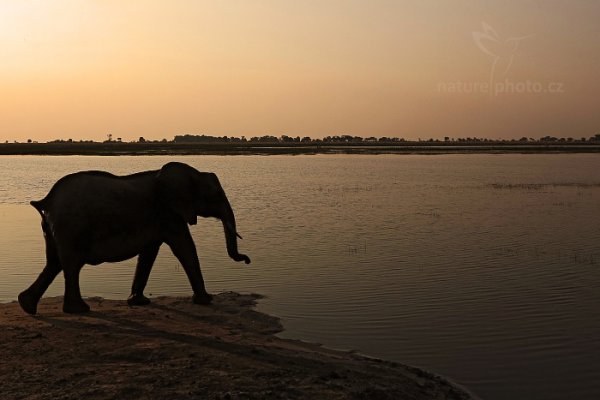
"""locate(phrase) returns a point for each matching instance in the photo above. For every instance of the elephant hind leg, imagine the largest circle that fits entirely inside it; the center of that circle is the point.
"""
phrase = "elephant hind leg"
(28, 299)
(142, 272)
(73, 302)
(28, 302)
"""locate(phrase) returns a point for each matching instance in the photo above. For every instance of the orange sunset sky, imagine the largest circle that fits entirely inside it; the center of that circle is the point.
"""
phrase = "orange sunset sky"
(407, 68)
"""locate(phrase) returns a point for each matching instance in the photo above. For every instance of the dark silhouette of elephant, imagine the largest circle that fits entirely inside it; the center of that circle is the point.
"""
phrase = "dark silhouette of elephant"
(93, 217)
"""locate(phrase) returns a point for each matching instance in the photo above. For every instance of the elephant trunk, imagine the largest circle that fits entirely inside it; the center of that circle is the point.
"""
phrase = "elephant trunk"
(231, 235)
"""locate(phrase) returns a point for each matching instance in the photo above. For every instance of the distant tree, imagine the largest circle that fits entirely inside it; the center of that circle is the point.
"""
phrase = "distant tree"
(268, 139)
(142, 140)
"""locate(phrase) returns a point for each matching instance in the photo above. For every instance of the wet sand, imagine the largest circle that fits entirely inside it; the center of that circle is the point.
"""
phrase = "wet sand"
(173, 349)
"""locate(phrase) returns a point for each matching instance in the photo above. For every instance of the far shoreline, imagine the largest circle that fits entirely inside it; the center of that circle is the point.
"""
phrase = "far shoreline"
(176, 148)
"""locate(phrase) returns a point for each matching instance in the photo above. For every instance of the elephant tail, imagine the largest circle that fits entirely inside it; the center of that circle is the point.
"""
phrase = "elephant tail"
(39, 205)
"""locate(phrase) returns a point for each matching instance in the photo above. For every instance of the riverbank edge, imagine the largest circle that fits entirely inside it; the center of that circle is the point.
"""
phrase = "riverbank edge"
(180, 350)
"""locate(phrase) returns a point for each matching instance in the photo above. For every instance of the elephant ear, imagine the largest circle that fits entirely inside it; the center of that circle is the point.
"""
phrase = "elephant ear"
(176, 189)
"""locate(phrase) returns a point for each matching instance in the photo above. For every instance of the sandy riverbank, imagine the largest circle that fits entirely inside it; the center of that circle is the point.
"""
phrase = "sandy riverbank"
(174, 349)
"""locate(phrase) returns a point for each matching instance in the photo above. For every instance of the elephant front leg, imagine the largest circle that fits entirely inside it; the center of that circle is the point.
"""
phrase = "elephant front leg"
(142, 272)
(184, 249)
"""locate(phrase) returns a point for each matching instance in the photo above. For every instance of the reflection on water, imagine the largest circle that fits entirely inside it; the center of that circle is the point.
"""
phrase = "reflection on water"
(484, 268)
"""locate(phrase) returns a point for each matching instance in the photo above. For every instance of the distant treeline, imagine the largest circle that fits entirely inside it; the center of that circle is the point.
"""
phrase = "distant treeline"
(339, 140)
(360, 140)
(235, 147)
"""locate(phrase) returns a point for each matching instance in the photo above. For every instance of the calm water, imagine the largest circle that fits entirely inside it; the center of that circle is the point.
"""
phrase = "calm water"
(484, 268)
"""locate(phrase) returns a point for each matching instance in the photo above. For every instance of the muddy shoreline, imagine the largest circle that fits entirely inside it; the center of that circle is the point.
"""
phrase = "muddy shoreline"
(177, 350)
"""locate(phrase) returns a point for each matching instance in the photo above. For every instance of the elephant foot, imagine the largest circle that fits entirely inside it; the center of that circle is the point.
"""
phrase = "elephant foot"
(75, 307)
(28, 302)
(138, 300)
(203, 298)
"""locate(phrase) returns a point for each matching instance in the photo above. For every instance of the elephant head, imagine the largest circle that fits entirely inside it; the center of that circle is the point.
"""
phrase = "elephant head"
(190, 193)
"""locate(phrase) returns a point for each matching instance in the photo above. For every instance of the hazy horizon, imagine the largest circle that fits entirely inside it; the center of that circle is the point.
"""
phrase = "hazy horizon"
(411, 69)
